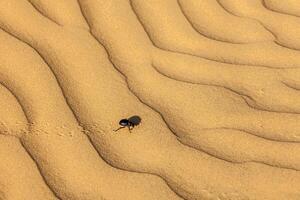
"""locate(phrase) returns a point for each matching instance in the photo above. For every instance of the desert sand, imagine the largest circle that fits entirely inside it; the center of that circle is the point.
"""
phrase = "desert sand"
(215, 82)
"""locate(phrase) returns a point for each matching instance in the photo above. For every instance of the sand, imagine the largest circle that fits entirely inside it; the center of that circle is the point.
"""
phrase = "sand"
(215, 82)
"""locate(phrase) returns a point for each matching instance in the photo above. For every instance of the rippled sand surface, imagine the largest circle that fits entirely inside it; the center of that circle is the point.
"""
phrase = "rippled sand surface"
(215, 82)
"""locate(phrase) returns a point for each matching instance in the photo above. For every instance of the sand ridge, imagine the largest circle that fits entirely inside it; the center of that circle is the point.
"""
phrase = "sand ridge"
(220, 112)
(290, 7)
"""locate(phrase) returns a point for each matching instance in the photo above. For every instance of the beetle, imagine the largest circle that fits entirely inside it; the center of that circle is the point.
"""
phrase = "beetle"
(131, 122)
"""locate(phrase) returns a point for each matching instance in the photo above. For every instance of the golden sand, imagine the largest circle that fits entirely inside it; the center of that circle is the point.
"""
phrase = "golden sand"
(216, 83)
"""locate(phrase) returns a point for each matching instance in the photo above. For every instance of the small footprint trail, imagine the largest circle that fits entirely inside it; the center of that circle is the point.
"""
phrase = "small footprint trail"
(216, 116)
(18, 171)
(136, 83)
(95, 172)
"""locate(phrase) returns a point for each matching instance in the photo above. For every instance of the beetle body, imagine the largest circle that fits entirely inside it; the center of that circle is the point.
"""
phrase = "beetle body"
(130, 123)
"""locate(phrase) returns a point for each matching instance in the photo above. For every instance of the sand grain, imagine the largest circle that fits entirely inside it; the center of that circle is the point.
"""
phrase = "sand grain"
(217, 91)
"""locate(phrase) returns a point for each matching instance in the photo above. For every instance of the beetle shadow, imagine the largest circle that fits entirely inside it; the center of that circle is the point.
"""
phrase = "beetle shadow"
(135, 120)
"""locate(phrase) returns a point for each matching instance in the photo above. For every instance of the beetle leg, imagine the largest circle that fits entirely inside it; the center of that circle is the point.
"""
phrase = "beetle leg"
(119, 128)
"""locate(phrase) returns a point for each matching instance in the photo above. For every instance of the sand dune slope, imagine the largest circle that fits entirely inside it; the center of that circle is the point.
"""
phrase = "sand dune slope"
(218, 92)
(287, 7)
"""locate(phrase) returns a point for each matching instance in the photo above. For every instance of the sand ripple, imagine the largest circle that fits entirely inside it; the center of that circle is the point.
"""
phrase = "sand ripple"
(217, 91)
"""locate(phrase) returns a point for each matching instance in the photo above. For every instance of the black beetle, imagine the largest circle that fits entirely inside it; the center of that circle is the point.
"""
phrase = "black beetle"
(131, 122)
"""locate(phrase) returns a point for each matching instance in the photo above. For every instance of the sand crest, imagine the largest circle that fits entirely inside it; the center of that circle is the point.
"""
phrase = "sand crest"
(215, 82)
